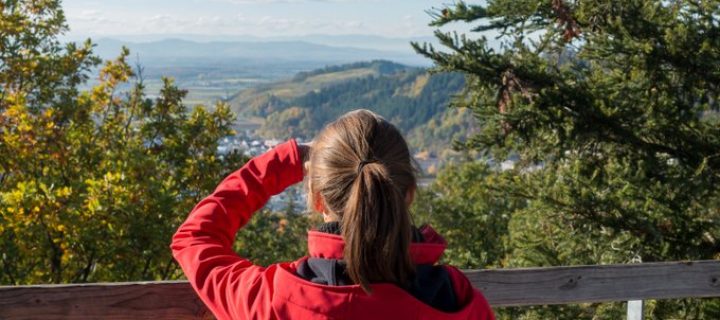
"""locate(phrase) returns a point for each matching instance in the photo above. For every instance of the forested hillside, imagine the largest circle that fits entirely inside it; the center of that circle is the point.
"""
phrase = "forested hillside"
(410, 97)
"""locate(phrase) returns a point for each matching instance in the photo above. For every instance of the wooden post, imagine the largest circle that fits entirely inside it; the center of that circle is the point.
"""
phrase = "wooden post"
(635, 310)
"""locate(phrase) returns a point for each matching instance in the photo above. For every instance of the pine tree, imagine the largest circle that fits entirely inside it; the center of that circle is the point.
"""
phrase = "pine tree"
(610, 109)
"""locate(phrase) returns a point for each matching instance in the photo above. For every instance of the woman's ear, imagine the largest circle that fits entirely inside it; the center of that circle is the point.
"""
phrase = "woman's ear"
(319, 204)
(320, 207)
(410, 195)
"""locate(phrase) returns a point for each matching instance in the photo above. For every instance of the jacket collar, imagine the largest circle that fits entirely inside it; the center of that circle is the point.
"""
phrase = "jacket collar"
(331, 246)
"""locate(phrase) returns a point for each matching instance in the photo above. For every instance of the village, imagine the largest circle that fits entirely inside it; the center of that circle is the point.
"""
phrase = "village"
(294, 198)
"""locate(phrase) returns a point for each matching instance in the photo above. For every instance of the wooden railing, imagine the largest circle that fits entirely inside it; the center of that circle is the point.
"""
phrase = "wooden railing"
(506, 287)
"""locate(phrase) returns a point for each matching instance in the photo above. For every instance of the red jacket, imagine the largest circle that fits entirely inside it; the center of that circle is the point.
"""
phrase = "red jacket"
(233, 288)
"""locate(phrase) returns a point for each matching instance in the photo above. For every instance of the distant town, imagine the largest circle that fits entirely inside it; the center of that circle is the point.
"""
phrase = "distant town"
(295, 198)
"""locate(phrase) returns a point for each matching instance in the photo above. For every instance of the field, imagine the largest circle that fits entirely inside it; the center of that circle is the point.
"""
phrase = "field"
(209, 80)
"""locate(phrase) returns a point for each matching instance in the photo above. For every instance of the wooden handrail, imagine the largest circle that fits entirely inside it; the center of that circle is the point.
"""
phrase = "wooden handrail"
(502, 287)
(598, 283)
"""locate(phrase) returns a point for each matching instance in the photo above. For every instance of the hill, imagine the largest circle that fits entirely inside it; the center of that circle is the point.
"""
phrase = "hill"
(408, 96)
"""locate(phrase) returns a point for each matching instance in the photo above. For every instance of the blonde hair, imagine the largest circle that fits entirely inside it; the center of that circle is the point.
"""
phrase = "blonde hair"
(360, 167)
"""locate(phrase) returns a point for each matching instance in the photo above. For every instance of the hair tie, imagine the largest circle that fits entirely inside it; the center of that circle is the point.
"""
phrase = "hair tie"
(363, 163)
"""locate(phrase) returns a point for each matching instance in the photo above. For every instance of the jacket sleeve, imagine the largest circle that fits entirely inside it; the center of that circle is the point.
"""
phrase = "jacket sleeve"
(229, 285)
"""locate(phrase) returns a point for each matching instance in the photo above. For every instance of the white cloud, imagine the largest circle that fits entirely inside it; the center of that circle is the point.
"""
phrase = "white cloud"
(88, 13)
(222, 18)
(268, 25)
(92, 18)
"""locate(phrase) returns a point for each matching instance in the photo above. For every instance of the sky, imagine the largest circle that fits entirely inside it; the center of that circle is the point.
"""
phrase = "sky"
(263, 18)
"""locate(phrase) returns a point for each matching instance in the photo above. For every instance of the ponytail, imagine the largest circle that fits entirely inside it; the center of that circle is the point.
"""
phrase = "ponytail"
(360, 171)
(376, 229)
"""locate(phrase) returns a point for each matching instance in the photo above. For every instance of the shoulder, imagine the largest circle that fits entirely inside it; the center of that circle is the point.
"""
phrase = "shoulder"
(467, 293)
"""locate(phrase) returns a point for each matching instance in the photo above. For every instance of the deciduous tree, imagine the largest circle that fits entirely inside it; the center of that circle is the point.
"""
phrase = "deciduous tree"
(93, 182)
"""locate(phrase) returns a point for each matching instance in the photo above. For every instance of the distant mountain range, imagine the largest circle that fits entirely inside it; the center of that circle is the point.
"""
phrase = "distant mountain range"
(361, 41)
(327, 49)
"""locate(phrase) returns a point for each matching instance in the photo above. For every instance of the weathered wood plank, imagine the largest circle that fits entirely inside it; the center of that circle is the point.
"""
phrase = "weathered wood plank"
(135, 300)
(566, 285)
(513, 287)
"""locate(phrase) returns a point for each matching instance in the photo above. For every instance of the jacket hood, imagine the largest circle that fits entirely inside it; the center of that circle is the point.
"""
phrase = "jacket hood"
(430, 284)
(334, 299)
(331, 246)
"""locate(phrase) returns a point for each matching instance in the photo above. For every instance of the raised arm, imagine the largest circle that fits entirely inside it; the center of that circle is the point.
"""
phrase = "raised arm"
(231, 286)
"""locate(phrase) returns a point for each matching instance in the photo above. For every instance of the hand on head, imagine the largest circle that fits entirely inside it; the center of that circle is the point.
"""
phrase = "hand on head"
(305, 149)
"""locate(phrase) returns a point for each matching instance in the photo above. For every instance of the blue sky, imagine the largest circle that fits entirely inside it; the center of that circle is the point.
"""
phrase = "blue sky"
(264, 18)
